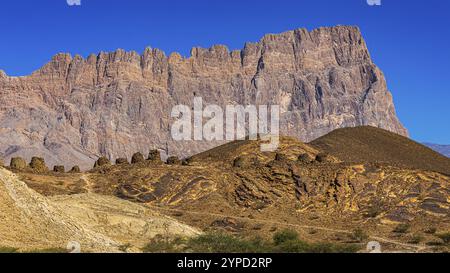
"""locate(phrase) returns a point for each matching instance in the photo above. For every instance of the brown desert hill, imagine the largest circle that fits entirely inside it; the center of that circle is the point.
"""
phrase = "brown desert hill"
(228, 152)
(237, 188)
(368, 144)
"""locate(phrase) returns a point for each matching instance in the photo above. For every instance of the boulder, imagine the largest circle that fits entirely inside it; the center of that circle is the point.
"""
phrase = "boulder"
(306, 158)
(18, 164)
(173, 160)
(75, 169)
(121, 161)
(154, 155)
(102, 161)
(59, 169)
(38, 165)
(245, 161)
(137, 158)
(324, 158)
(280, 157)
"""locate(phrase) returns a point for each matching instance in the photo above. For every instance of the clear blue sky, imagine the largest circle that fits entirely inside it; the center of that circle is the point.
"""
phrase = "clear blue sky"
(408, 39)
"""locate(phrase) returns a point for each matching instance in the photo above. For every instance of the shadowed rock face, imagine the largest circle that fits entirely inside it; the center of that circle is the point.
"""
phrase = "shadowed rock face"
(74, 110)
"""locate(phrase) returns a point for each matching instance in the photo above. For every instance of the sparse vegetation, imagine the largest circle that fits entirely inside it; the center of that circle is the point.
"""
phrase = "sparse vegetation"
(445, 237)
(285, 241)
(359, 235)
(402, 228)
(374, 210)
(415, 239)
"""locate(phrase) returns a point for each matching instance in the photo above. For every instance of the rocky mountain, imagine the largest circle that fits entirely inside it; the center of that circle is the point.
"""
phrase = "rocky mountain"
(75, 109)
(443, 149)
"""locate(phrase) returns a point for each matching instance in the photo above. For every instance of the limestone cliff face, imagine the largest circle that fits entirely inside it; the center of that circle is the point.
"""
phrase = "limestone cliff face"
(73, 110)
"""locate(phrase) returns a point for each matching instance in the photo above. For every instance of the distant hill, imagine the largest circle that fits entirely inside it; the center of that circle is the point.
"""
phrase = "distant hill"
(443, 149)
(369, 144)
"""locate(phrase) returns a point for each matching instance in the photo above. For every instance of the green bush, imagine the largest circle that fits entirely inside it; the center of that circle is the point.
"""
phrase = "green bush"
(165, 244)
(224, 243)
(284, 236)
(285, 241)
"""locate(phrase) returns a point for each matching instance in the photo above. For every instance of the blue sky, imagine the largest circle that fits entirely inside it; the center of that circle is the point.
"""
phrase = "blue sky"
(408, 39)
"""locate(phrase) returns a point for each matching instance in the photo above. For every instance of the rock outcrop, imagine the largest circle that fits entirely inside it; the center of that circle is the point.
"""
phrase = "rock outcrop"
(75, 109)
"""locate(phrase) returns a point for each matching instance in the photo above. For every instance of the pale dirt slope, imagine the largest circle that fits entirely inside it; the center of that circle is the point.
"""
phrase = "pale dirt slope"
(30, 221)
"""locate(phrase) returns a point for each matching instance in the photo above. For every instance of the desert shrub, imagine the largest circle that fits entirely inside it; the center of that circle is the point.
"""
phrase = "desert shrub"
(215, 242)
(333, 248)
(59, 169)
(402, 228)
(374, 210)
(445, 237)
(165, 244)
(359, 235)
(415, 239)
(18, 163)
(287, 241)
(137, 158)
(224, 243)
(102, 161)
(284, 236)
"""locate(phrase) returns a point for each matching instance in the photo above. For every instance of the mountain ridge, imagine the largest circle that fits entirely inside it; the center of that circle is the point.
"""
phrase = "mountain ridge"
(442, 149)
(73, 110)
